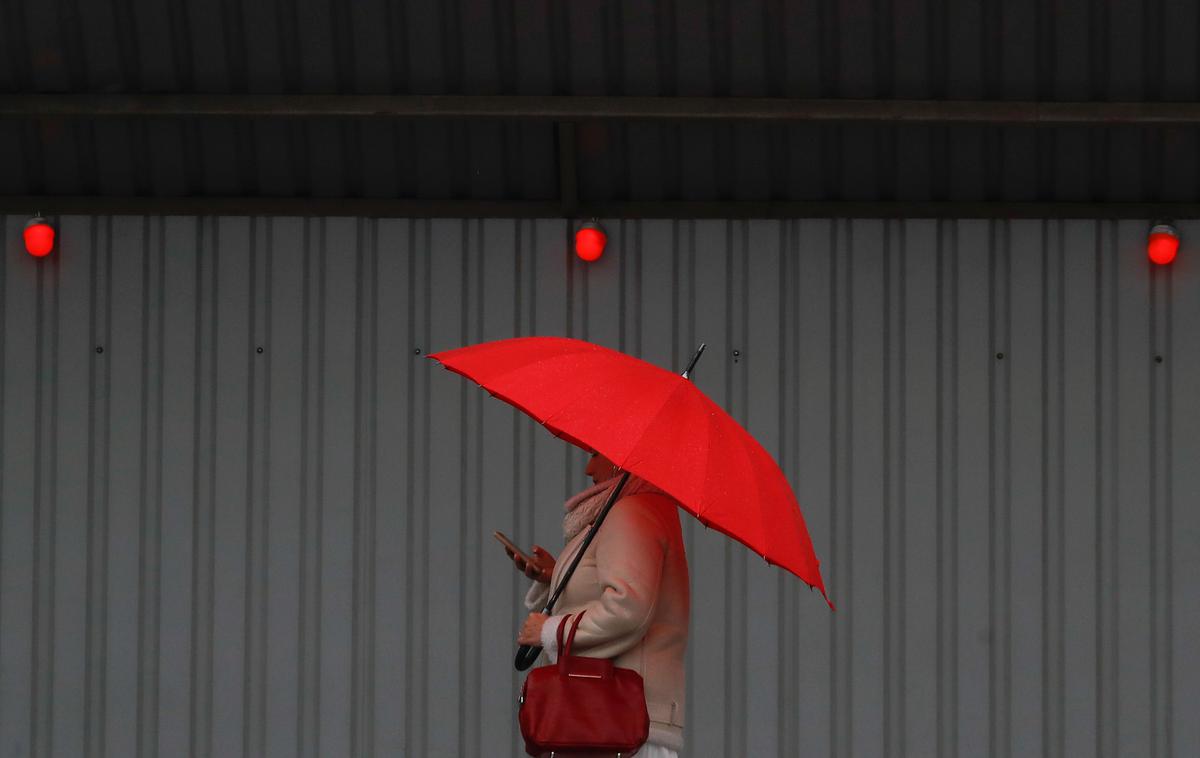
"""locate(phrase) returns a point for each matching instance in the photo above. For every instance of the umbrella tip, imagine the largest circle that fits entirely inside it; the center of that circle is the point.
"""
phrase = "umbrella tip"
(687, 372)
(828, 602)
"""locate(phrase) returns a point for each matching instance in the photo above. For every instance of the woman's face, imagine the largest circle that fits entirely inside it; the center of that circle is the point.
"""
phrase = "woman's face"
(600, 468)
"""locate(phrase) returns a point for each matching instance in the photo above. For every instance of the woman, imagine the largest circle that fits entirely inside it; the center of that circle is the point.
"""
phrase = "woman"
(633, 583)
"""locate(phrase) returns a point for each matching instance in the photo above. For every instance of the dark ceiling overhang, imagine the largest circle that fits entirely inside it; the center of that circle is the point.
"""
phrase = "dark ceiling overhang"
(565, 113)
(664, 209)
(602, 108)
(659, 108)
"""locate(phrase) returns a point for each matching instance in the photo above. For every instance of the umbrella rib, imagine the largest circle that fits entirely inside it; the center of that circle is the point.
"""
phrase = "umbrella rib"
(708, 466)
(767, 531)
(596, 387)
(625, 462)
(661, 409)
(524, 408)
(542, 363)
(743, 449)
(453, 367)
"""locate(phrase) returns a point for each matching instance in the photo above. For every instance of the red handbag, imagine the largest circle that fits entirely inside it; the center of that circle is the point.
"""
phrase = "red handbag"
(582, 704)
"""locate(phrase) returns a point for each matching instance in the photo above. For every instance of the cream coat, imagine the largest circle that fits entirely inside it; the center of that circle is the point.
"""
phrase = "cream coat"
(633, 583)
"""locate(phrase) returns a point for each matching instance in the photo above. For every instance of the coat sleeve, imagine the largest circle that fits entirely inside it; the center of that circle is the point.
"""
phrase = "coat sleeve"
(630, 552)
(537, 595)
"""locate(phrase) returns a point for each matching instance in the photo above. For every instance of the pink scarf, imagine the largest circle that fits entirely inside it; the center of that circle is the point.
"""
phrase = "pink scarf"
(581, 509)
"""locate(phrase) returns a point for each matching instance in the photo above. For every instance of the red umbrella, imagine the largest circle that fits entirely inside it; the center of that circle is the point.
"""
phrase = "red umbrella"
(655, 424)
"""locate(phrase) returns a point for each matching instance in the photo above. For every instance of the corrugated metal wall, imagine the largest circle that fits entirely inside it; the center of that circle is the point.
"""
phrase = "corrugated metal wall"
(244, 515)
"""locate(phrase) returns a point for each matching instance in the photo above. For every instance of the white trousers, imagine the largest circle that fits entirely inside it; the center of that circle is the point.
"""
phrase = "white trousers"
(649, 750)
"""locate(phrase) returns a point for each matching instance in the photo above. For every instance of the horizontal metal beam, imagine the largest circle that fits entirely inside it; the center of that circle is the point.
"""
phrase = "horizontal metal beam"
(553, 108)
(397, 208)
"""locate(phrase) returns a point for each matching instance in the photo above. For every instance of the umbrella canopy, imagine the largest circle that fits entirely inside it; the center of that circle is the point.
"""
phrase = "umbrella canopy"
(655, 424)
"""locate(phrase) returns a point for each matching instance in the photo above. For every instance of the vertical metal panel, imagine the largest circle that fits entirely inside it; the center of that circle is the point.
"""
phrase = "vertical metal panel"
(1180, 411)
(212, 550)
(712, 673)
(19, 492)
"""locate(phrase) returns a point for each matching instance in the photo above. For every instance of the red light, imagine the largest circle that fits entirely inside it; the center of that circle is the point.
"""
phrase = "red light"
(590, 241)
(1163, 244)
(39, 237)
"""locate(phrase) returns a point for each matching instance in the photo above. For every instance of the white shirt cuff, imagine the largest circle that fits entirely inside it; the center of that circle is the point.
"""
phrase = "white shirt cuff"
(550, 636)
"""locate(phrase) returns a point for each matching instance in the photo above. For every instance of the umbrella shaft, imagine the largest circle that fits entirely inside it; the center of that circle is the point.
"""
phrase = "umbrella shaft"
(612, 499)
(527, 654)
(687, 372)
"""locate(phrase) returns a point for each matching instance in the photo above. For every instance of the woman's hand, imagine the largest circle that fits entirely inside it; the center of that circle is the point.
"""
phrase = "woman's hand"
(531, 630)
(540, 570)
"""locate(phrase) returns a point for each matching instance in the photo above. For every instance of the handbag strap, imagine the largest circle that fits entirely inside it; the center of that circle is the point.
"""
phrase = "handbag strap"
(574, 628)
(564, 651)
(561, 623)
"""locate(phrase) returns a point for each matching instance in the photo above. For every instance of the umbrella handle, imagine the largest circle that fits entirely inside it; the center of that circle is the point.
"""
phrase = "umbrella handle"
(526, 655)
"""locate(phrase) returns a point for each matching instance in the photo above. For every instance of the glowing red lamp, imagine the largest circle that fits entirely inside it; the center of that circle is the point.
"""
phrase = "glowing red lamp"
(590, 241)
(39, 237)
(1163, 244)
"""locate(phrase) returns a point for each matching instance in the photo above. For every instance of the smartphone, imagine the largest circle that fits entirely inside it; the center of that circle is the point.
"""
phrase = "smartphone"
(508, 543)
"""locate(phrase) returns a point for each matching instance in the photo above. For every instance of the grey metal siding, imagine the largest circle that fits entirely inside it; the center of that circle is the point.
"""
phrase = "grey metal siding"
(210, 550)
